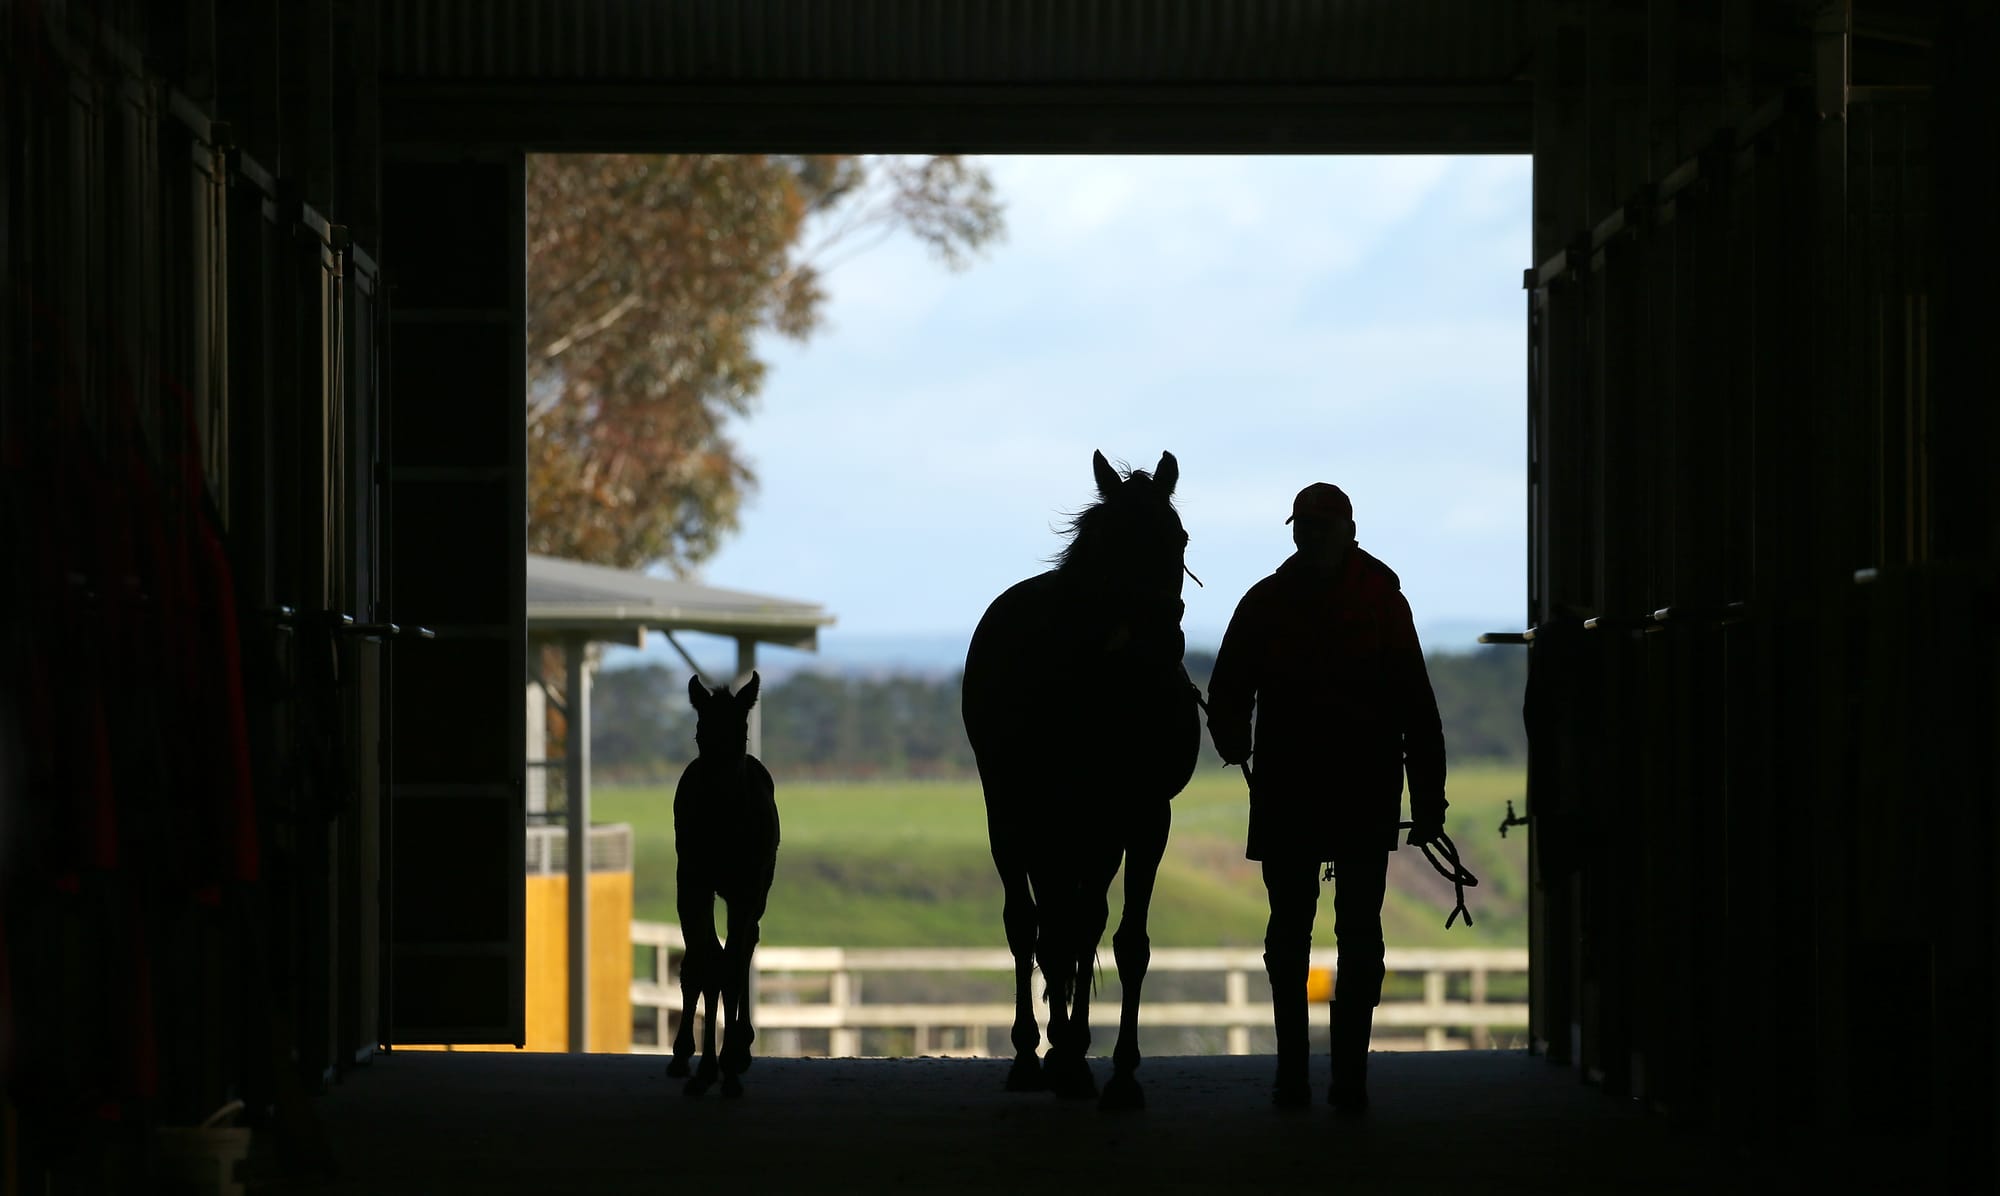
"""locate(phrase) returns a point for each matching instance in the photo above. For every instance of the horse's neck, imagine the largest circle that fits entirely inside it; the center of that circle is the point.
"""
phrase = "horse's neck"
(1116, 645)
(1098, 597)
(724, 778)
(1093, 611)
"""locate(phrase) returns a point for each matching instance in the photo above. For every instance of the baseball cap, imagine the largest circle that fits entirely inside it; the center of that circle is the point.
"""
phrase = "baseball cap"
(1321, 500)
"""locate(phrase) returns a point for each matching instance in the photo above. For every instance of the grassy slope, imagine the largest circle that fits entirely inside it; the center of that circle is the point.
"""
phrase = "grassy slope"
(905, 864)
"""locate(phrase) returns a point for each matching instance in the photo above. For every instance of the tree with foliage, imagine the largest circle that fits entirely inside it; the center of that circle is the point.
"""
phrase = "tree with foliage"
(651, 277)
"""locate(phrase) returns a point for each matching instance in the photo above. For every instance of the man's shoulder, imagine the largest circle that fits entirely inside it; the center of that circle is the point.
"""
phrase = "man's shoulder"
(1260, 603)
(1267, 588)
(1376, 575)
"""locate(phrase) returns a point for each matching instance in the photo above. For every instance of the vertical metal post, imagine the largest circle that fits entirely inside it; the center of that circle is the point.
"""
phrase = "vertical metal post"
(746, 663)
(576, 765)
(1823, 542)
(538, 741)
(1561, 156)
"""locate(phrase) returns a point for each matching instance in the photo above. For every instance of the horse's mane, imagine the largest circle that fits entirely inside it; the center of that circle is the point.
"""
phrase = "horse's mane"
(1084, 530)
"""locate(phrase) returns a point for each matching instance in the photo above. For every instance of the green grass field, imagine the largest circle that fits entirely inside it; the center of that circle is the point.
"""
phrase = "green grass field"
(905, 864)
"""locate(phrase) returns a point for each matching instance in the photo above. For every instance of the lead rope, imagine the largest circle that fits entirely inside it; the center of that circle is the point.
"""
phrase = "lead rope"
(1458, 874)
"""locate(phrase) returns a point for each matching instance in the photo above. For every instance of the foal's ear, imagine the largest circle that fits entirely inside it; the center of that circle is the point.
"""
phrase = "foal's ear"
(1107, 477)
(696, 694)
(1167, 474)
(747, 696)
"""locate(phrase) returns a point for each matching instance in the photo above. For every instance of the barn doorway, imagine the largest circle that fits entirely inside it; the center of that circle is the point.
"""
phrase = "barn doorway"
(1272, 320)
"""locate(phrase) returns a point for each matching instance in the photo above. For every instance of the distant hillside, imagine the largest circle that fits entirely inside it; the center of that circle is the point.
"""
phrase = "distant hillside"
(895, 724)
(939, 655)
(905, 863)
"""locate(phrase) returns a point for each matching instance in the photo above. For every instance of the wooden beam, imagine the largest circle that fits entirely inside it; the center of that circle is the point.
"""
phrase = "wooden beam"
(746, 663)
(576, 756)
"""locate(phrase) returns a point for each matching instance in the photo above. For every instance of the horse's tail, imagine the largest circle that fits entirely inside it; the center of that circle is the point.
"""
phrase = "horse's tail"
(1058, 982)
(1067, 981)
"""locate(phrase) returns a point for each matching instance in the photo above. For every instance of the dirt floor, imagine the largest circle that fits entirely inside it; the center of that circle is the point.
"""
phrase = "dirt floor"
(1461, 1122)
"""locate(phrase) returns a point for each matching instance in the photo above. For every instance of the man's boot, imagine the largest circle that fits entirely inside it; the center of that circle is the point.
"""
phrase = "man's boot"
(1352, 1023)
(1293, 1088)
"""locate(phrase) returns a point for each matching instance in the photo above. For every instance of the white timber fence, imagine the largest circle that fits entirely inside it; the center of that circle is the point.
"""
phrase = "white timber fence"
(820, 990)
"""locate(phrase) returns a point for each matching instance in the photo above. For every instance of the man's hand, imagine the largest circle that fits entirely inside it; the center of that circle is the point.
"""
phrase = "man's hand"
(1425, 830)
(1233, 745)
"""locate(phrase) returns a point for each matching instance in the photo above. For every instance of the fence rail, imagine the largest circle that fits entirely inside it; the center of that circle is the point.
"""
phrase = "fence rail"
(548, 849)
(782, 977)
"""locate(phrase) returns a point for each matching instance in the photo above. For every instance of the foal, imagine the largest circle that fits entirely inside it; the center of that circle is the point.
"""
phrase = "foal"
(726, 834)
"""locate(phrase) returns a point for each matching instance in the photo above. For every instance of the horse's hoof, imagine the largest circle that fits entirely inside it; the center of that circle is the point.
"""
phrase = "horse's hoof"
(677, 1067)
(1122, 1094)
(701, 1080)
(732, 1087)
(736, 1048)
(1070, 1078)
(1026, 1075)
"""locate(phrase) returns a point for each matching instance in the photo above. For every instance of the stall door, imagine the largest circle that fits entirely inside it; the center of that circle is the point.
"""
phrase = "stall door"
(455, 512)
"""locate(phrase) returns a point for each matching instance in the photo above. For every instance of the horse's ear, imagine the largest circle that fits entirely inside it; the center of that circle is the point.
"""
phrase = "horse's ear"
(696, 694)
(1107, 477)
(747, 696)
(1167, 474)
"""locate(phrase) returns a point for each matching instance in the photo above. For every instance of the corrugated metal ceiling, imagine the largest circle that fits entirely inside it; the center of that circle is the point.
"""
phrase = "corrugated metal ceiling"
(1425, 42)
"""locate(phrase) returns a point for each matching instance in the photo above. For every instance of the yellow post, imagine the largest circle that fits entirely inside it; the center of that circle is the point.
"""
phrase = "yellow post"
(610, 963)
(607, 972)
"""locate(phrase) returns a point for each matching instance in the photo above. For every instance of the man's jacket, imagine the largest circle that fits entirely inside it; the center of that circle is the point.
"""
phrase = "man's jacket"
(1343, 708)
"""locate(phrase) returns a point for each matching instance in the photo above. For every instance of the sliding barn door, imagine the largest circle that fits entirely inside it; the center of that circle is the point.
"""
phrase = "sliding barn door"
(454, 505)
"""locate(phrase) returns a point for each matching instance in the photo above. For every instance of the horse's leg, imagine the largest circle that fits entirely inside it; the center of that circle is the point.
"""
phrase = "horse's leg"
(1081, 926)
(695, 906)
(1019, 915)
(1093, 911)
(1055, 903)
(737, 1032)
(1134, 951)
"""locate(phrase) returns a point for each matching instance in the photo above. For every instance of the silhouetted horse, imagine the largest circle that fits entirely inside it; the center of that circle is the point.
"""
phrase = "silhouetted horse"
(1083, 722)
(726, 835)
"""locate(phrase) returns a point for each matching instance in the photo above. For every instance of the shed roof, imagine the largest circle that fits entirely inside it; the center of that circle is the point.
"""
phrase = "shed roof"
(619, 604)
(1000, 76)
(1007, 42)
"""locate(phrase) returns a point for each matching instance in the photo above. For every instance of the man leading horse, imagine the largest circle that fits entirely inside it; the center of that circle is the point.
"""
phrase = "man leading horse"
(1326, 653)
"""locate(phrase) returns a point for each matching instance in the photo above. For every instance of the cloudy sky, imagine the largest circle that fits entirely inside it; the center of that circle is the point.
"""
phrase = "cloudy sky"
(1272, 321)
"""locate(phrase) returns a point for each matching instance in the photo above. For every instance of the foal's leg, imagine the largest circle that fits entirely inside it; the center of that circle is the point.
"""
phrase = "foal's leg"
(701, 975)
(695, 907)
(1134, 951)
(704, 1072)
(737, 1032)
